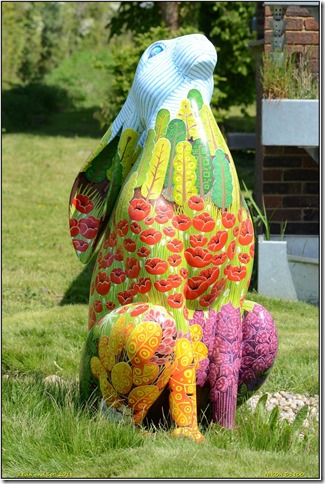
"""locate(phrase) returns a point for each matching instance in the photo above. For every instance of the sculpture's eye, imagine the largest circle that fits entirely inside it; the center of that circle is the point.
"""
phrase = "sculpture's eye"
(156, 49)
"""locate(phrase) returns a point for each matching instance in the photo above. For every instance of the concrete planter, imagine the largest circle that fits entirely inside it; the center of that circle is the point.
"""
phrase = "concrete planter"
(289, 269)
(274, 276)
(290, 122)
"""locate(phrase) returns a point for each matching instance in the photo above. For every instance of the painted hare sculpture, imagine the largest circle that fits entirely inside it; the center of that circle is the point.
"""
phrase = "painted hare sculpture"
(159, 196)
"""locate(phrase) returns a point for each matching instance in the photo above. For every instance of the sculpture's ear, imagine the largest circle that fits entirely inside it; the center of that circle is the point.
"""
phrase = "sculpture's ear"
(96, 188)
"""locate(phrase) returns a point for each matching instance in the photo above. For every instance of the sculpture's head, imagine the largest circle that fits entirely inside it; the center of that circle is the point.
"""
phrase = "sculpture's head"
(167, 70)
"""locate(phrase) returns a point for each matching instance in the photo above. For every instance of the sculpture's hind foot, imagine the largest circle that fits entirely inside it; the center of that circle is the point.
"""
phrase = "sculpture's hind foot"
(191, 433)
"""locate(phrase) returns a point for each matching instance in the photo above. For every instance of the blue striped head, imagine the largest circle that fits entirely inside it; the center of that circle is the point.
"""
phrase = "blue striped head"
(167, 70)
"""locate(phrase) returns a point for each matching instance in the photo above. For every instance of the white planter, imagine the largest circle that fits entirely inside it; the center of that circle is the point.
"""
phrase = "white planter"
(290, 122)
(274, 275)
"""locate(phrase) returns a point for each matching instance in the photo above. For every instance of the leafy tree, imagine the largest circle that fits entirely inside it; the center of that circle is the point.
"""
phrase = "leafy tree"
(226, 24)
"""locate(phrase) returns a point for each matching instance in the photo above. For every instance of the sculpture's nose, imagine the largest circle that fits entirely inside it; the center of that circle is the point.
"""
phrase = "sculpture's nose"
(196, 56)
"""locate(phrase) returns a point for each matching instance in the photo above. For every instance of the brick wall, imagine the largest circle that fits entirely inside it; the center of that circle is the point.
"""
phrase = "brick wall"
(289, 177)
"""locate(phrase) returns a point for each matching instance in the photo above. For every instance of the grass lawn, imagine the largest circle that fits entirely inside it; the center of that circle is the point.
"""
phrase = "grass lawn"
(44, 290)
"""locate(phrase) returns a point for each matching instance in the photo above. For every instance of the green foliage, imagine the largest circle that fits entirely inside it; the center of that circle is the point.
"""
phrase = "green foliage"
(226, 24)
(288, 77)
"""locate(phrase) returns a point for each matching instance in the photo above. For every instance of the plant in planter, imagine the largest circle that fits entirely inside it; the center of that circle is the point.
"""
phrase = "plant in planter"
(273, 273)
(290, 105)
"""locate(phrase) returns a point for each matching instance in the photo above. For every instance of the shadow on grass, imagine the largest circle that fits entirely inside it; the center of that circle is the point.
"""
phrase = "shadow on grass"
(46, 110)
(78, 292)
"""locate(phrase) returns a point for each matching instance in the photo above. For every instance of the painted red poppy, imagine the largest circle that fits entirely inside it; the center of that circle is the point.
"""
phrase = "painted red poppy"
(196, 203)
(198, 240)
(143, 285)
(182, 222)
(132, 267)
(125, 297)
(194, 287)
(129, 245)
(174, 260)
(244, 258)
(235, 231)
(139, 209)
(149, 220)
(119, 254)
(165, 209)
(163, 285)
(204, 222)
(80, 245)
(92, 318)
(135, 228)
(89, 227)
(169, 231)
(74, 229)
(83, 203)
(133, 288)
(207, 300)
(219, 259)
(143, 252)
(112, 239)
(218, 241)
(156, 266)
(210, 274)
(226, 269)
(231, 250)
(110, 305)
(122, 227)
(228, 220)
(139, 309)
(161, 219)
(252, 250)
(237, 273)
(246, 234)
(217, 288)
(197, 257)
(106, 261)
(150, 236)
(175, 280)
(175, 245)
(183, 272)
(117, 276)
(175, 300)
(103, 283)
(98, 306)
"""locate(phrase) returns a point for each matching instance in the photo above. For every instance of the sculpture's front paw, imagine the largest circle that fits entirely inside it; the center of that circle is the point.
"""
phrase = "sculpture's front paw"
(191, 433)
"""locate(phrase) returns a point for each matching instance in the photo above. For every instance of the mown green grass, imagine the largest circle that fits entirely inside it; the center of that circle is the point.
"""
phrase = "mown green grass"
(44, 327)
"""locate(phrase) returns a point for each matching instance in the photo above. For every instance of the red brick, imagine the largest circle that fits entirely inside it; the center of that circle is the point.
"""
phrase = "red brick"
(282, 188)
(281, 215)
(290, 48)
(302, 38)
(311, 188)
(303, 228)
(303, 175)
(295, 11)
(311, 24)
(273, 150)
(308, 162)
(272, 175)
(282, 162)
(300, 201)
(310, 215)
(273, 201)
(294, 151)
(293, 23)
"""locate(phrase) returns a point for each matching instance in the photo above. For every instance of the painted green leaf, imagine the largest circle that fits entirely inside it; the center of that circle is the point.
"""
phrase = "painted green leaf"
(126, 195)
(184, 173)
(154, 181)
(222, 186)
(204, 177)
(176, 132)
(126, 149)
(99, 148)
(196, 99)
(213, 134)
(162, 121)
(143, 165)
(186, 113)
(114, 187)
(98, 166)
